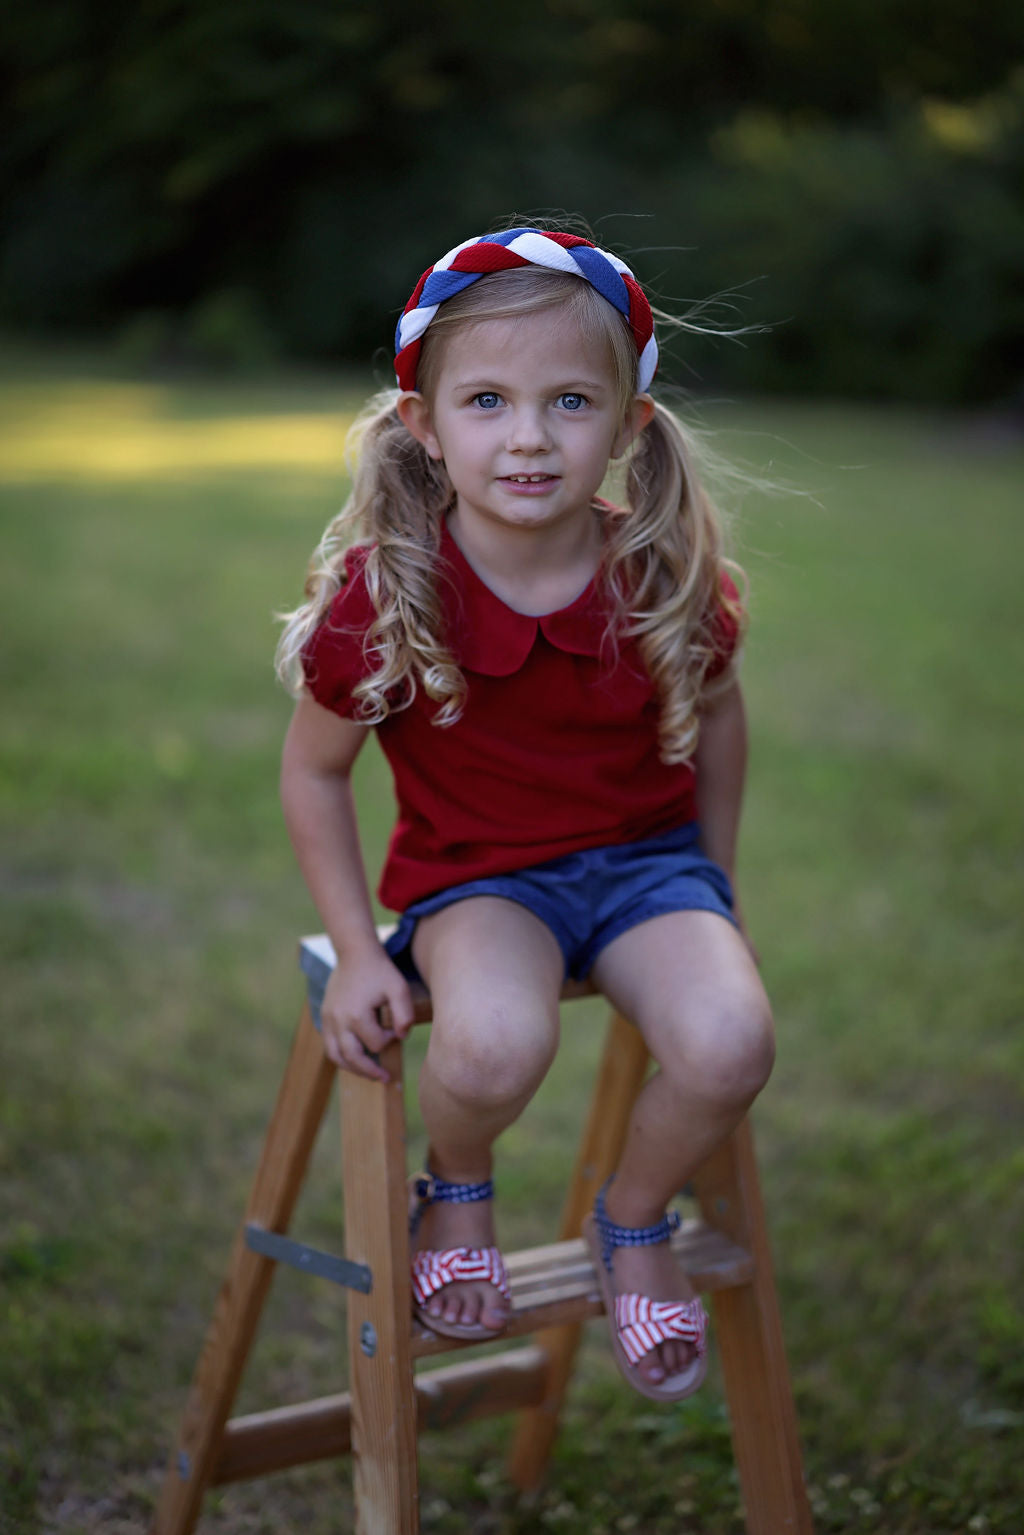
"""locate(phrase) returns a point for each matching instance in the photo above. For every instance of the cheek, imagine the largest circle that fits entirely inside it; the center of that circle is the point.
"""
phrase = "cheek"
(472, 447)
(603, 447)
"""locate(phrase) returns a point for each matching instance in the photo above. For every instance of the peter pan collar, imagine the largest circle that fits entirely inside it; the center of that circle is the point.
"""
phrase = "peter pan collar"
(489, 637)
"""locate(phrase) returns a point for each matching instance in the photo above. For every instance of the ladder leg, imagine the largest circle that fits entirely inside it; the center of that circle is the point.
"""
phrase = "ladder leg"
(749, 1334)
(620, 1077)
(379, 1324)
(293, 1128)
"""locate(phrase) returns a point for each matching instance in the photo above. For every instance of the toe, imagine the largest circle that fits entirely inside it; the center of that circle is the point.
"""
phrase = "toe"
(680, 1359)
(494, 1314)
(459, 1307)
(650, 1367)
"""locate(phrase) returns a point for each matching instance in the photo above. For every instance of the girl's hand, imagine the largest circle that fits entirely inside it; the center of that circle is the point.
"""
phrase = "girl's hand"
(367, 1004)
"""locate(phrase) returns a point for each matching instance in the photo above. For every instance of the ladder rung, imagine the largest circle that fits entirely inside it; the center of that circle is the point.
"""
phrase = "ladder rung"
(321, 1430)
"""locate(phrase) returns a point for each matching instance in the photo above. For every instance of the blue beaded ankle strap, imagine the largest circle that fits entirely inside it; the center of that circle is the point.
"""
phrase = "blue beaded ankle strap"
(613, 1236)
(429, 1189)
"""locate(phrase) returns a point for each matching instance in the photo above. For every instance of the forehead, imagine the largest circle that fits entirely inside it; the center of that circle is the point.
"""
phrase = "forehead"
(546, 343)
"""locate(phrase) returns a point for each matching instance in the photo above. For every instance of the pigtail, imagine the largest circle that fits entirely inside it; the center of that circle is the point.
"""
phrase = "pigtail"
(664, 565)
(398, 502)
(406, 495)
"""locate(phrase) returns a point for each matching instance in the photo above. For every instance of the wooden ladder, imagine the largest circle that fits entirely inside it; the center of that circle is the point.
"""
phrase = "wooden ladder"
(554, 1290)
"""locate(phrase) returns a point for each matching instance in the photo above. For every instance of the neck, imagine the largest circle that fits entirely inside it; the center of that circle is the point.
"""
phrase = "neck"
(533, 570)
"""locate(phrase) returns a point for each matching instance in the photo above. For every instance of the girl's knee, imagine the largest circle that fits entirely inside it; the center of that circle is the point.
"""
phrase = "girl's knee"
(728, 1059)
(491, 1059)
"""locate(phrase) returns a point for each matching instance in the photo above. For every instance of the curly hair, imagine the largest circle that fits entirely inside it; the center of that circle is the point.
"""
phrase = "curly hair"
(663, 562)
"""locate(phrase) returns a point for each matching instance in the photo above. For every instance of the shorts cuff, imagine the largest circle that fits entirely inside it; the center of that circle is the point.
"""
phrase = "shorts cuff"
(625, 921)
(398, 945)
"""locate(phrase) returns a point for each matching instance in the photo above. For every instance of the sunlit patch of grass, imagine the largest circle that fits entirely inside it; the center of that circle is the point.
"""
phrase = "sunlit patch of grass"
(102, 433)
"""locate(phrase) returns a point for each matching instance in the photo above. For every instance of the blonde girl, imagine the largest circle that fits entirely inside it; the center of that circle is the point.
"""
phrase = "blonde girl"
(552, 679)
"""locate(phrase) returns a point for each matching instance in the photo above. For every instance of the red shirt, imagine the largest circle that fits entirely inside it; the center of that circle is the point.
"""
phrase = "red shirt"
(556, 749)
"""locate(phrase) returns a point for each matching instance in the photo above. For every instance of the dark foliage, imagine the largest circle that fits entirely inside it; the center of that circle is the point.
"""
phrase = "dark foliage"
(222, 179)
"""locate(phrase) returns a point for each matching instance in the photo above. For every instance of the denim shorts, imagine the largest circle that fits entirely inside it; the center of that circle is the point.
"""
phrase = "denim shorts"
(589, 898)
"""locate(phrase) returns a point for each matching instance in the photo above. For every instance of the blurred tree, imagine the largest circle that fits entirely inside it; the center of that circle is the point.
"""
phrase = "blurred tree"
(306, 159)
(893, 257)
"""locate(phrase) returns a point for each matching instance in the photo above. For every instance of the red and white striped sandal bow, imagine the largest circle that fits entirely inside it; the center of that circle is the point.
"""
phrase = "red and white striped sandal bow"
(431, 1271)
(643, 1323)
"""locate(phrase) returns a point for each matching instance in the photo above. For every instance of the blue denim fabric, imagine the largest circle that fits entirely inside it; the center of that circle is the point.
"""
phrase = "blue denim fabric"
(589, 898)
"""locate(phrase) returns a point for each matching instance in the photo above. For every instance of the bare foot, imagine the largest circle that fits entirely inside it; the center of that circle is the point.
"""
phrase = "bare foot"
(464, 1304)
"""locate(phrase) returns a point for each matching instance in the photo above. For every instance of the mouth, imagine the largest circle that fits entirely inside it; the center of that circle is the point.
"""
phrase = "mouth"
(528, 479)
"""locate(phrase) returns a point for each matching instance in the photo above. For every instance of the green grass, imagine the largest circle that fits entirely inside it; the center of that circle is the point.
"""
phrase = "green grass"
(151, 907)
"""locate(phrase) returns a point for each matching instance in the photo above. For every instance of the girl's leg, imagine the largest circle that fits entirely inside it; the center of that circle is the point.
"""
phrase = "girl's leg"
(495, 972)
(688, 982)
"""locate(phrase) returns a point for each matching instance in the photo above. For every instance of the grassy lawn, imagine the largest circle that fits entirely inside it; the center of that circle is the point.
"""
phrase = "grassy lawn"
(151, 908)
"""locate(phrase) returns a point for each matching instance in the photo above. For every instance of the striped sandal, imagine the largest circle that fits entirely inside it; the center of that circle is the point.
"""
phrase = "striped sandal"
(433, 1270)
(639, 1324)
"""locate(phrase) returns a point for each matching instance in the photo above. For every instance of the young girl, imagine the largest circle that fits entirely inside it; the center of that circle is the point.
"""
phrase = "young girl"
(552, 679)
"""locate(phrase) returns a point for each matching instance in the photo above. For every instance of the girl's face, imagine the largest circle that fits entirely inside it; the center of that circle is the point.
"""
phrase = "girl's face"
(525, 417)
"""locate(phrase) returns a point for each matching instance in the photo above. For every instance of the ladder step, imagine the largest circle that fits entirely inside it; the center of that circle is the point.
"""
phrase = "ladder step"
(556, 1283)
(322, 1430)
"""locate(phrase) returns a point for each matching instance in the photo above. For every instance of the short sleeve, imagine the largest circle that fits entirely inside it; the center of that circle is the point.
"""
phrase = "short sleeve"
(333, 662)
(726, 629)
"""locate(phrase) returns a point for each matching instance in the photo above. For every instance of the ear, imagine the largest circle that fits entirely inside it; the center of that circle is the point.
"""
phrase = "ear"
(638, 417)
(414, 414)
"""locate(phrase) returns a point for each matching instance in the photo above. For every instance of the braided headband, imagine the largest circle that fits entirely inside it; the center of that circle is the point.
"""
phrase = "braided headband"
(474, 258)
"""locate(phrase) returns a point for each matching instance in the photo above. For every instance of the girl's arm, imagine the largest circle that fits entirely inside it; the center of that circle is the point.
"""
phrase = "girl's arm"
(316, 792)
(721, 765)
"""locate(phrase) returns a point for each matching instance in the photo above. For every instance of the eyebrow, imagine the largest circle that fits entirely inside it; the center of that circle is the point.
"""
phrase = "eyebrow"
(566, 387)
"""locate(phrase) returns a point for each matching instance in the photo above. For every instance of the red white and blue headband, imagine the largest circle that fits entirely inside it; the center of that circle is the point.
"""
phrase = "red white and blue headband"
(483, 254)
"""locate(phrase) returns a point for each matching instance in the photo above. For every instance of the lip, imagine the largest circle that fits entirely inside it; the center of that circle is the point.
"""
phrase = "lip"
(529, 487)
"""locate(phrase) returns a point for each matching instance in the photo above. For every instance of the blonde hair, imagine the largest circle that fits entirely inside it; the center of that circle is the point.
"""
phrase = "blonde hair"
(663, 563)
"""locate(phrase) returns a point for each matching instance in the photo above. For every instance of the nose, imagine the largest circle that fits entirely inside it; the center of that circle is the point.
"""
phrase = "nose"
(528, 430)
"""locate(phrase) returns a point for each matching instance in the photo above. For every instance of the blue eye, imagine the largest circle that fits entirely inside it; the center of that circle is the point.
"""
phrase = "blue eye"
(572, 401)
(487, 401)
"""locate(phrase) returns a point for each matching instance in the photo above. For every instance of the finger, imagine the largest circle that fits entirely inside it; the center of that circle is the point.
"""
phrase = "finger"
(356, 1058)
(372, 1029)
(363, 1026)
(344, 1048)
(332, 1046)
(399, 1004)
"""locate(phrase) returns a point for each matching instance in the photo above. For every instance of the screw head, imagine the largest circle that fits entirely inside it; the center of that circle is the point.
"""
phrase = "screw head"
(368, 1339)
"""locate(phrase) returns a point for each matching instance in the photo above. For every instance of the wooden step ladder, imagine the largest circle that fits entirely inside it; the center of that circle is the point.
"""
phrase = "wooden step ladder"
(554, 1290)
